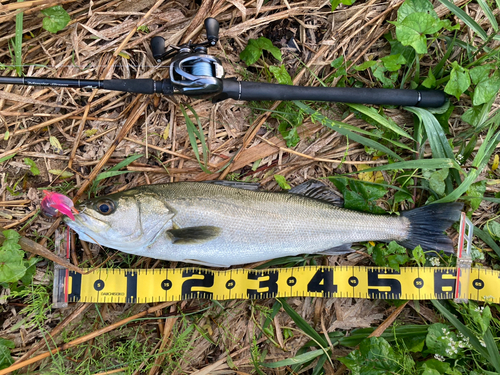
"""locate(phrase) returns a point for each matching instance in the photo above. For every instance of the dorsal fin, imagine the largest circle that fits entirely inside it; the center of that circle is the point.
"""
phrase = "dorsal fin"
(317, 190)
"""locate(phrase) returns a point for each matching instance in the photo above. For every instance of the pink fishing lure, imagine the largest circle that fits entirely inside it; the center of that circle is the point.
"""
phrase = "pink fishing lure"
(54, 203)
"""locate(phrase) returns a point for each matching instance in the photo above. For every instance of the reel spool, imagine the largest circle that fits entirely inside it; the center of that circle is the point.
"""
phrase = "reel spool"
(192, 70)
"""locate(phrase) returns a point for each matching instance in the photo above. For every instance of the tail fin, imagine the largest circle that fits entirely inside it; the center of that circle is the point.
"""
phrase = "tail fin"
(427, 225)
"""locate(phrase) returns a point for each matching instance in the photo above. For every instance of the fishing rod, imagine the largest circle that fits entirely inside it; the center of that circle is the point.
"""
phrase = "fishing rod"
(195, 73)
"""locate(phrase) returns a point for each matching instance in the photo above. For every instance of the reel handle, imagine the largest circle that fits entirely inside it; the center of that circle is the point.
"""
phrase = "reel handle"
(158, 47)
(212, 27)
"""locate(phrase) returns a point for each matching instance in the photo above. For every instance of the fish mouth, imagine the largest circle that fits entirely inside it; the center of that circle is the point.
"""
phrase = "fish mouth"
(85, 225)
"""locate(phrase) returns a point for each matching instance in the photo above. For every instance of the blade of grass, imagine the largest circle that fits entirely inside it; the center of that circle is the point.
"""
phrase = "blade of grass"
(108, 174)
(487, 11)
(485, 237)
(437, 71)
(437, 139)
(373, 114)
(492, 348)
(18, 42)
(465, 18)
(341, 128)
(413, 164)
(195, 133)
(482, 157)
(297, 360)
(125, 162)
(303, 325)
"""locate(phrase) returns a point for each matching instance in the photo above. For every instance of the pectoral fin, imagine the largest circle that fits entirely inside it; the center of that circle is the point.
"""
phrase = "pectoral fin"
(193, 235)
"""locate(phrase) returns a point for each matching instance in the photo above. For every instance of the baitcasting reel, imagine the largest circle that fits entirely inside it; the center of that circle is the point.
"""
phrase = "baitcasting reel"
(192, 70)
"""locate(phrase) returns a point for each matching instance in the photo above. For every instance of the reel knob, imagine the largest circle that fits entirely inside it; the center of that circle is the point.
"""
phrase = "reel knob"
(212, 27)
(158, 47)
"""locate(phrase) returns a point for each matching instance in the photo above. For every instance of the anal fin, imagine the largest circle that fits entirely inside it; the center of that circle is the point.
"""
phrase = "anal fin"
(338, 250)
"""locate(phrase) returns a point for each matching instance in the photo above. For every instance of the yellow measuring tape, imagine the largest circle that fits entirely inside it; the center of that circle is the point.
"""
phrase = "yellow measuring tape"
(159, 285)
(110, 285)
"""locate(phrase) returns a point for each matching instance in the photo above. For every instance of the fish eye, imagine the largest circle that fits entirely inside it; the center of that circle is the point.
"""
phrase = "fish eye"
(105, 207)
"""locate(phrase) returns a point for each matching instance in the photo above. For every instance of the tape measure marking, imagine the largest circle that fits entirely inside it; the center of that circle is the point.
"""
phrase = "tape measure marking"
(158, 285)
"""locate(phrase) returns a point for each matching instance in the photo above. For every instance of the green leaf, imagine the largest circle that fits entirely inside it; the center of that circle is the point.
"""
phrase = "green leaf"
(459, 81)
(255, 47)
(290, 134)
(402, 195)
(336, 3)
(493, 229)
(281, 74)
(60, 173)
(486, 90)
(436, 180)
(5, 357)
(5, 158)
(477, 189)
(281, 180)
(419, 255)
(30, 271)
(413, 29)
(416, 6)
(375, 356)
(338, 62)
(56, 145)
(33, 168)
(56, 19)
(365, 65)
(480, 73)
(379, 71)
(289, 119)
(393, 62)
(360, 195)
(442, 341)
(430, 81)
(433, 366)
(12, 266)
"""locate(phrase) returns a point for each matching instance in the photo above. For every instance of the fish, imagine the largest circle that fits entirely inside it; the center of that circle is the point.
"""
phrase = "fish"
(217, 225)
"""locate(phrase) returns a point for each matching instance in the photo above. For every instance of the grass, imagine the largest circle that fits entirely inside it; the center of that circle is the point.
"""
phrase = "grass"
(440, 155)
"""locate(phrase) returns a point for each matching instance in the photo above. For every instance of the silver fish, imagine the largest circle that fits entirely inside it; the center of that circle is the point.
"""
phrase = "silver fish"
(217, 225)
